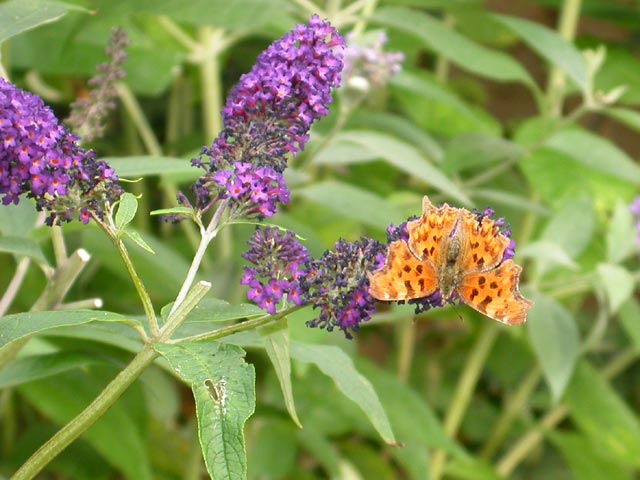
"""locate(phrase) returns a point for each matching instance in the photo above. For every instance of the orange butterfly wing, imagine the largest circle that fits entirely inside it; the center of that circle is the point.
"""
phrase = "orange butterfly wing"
(403, 276)
(484, 245)
(495, 294)
(490, 285)
(428, 233)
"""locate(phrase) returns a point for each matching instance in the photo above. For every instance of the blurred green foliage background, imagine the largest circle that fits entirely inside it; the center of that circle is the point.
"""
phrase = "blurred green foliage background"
(529, 107)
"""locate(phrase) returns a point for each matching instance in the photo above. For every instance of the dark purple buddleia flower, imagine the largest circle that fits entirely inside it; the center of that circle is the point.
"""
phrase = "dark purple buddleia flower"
(267, 118)
(40, 158)
(337, 284)
(88, 114)
(278, 260)
(634, 208)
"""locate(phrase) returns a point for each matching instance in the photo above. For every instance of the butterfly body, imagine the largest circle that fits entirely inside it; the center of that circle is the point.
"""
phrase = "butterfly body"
(452, 251)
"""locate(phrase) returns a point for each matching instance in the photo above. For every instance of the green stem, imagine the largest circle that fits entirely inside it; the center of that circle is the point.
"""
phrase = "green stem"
(406, 333)
(87, 417)
(61, 280)
(207, 236)
(147, 305)
(521, 449)
(367, 11)
(133, 108)
(464, 391)
(311, 7)
(510, 412)
(178, 314)
(210, 79)
(569, 17)
(333, 8)
(14, 285)
(442, 63)
(59, 247)
(238, 327)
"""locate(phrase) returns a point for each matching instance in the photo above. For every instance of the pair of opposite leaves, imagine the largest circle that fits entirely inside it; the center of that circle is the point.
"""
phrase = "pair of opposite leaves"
(449, 249)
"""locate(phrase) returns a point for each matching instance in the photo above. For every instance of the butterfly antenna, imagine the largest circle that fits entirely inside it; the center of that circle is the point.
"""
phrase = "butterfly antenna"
(455, 309)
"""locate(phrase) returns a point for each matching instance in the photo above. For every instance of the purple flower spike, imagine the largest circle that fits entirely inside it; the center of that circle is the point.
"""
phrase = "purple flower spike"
(366, 61)
(337, 284)
(267, 118)
(278, 260)
(40, 158)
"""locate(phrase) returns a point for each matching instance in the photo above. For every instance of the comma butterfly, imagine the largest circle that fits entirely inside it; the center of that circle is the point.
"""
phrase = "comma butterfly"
(452, 250)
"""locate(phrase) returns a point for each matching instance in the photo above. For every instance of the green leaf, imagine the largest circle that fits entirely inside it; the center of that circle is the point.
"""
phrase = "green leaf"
(109, 333)
(629, 314)
(406, 408)
(571, 229)
(471, 150)
(23, 247)
(586, 459)
(617, 282)
(336, 364)
(596, 153)
(549, 253)
(600, 413)
(364, 459)
(17, 16)
(437, 109)
(20, 325)
(276, 344)
(145, 166)
(510, 200)
(621, 233)
(35, 367)
(118, 435)
(457, 48)
(242, 15)
(215, 310)
(628, 117)
(127, 207)
(399, 127)
(223, 386)
(173, 211)
(471, 469)
(274, 449)
(135, 236)
(555, 340)
(551, 46)
(352, 202)
(404, 157)
(18, 220)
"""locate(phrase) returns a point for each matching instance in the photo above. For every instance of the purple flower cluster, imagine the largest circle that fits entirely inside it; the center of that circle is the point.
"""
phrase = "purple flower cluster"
(40, 158)
(634, 208)
(268, 114)
(366, 62)
(337, 284)
(278, 260)
(88, 114)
